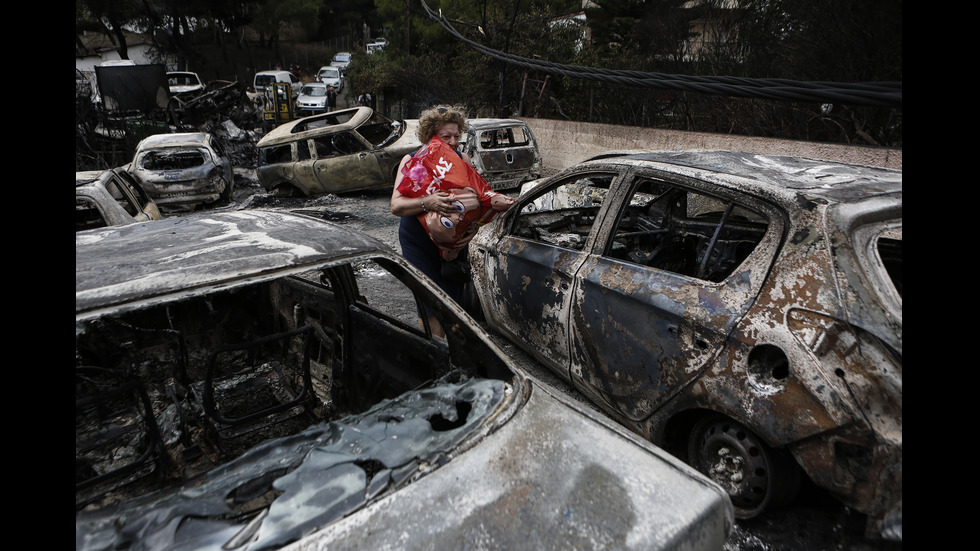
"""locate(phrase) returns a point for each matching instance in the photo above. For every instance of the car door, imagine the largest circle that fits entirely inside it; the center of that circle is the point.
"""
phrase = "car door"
(295, 84)
(534, 262)
(345, 162)
(136, 198)
(381, 306)
(656, 300)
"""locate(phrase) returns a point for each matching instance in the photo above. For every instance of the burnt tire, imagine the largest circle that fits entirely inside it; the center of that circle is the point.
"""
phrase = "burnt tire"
(755, 476)
(226, 195)
(286, 191)
(471, 302)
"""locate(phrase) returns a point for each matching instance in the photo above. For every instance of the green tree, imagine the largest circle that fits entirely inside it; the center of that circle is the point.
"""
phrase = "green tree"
(272, 15)
(452, 72)
(108, 17)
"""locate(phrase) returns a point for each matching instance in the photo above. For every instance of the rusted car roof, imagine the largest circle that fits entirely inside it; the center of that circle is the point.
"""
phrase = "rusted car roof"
(838, 182)
(243, 246)
(479, 123)
(175, 140)
(347, 119)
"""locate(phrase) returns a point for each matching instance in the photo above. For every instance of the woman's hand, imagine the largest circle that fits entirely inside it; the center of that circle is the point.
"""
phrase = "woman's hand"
(439, 202)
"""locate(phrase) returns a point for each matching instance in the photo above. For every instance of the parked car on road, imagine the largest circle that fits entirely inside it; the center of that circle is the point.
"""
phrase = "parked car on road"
(257, 380)
(341, 61)
(503, 151)
(331, 76)
(345, 150)
(110, 198)
(184, 170)
(264, 79)
(183, 83)
(312, 99)
(742, 311)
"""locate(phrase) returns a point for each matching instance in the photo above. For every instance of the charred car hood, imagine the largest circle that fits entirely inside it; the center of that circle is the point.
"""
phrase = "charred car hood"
(545, 479)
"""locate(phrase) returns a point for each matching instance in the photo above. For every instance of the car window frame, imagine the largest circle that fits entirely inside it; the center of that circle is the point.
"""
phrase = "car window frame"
(589, 243)
(770, 244)
(127, 202)
(135, 190)
(94, 206)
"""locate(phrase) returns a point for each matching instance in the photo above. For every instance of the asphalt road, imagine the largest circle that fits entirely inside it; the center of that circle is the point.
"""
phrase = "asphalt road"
(814, 522)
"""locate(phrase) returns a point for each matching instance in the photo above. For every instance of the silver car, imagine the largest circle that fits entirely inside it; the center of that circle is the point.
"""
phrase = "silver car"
(312, 99)
(341, 61)
(183, 171)
(257, 380)
(331, 76)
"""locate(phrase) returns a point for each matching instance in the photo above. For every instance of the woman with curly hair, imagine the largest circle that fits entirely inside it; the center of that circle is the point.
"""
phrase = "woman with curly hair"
(446, 123)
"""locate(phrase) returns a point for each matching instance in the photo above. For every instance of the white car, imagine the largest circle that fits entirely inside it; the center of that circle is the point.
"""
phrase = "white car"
(341, 61)
(331, 76)
(312, 99)
(265, 78)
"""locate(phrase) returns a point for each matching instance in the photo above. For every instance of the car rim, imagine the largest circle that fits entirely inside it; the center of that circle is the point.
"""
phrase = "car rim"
(738, 461)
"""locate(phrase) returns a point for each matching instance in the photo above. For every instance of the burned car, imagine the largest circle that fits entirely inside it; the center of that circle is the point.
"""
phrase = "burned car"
(110, 198)
(184, 83)
(257, 380)
(742, 311)
(183, 171)
(336, 152)
(503, 151)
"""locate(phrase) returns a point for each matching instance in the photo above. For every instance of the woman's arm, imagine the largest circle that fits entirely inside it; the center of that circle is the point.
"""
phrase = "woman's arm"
(413, 206)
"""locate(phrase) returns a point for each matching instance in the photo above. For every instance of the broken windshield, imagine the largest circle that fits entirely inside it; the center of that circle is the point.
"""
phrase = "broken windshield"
(287, 487)
(172, 160)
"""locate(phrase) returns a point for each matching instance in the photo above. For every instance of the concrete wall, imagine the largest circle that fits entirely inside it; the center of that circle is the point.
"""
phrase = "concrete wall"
(564, 143)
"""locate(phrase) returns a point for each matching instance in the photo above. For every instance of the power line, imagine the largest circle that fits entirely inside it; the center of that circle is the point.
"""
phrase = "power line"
(876, 94)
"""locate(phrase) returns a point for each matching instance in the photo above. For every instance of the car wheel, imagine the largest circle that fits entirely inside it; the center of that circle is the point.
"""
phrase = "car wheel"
(286, 191)
(471, 302)
(226, 195)
(754, 475)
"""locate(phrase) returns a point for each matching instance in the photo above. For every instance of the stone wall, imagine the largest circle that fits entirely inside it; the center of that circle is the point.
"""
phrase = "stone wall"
(564, 143)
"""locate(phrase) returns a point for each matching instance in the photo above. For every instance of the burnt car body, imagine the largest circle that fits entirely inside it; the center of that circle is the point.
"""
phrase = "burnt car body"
(110, 198)
(503, 151)
(184, 170)
(249, 380)
(336, 152)
(184, 83)
(742, 311)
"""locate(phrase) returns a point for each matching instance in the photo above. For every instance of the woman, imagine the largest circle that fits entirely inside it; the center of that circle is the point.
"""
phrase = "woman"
(446, 123)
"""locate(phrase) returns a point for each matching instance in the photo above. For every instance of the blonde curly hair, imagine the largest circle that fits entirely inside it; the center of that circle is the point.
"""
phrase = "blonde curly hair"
(434, 117)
